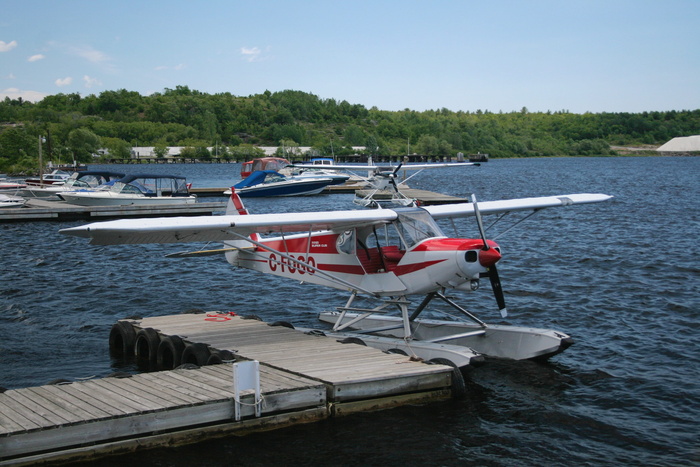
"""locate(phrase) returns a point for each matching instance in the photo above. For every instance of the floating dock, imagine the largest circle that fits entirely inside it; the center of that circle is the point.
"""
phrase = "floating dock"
(303, 377)
(47, 210)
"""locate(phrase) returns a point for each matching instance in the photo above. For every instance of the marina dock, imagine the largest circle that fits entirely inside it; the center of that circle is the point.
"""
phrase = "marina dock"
(303, 377)
(47, 210)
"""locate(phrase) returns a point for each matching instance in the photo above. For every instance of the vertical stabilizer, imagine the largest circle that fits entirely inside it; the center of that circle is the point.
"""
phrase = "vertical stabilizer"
(235, 207)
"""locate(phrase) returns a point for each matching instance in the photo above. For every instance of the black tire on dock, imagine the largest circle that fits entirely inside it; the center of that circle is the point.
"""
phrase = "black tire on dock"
(284, 324)
(459, 388)
(122, 338)
(197, 354)
(220, 356)
(169, 353)
(397, 352)
(146, 348)
(352, 340)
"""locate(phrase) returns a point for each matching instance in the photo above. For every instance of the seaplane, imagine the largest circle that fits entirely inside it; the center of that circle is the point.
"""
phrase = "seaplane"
(381, 178)
(392, 262)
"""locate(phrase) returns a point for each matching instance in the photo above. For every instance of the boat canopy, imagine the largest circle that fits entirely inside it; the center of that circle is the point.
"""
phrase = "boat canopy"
(260, 176)
(92, 178)
(153, 185)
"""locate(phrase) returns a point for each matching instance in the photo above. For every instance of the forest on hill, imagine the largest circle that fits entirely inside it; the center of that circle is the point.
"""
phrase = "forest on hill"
(71, 126)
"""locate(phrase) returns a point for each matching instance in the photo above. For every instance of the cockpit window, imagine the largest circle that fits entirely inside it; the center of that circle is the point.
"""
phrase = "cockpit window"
(415, 225)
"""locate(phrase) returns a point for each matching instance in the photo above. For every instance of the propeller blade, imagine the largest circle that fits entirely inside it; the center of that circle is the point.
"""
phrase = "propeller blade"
(493, 272)
(498, 290)
(479, 222)
(392, 177)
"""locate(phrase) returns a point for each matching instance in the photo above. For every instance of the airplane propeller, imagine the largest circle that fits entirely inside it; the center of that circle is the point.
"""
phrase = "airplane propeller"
(392, 176)
(489, 260)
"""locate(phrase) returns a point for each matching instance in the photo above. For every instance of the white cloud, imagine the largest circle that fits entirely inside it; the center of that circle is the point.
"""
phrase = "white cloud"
(64, 81)
(88, 53)
(83, 51)
(250, 54)
(6, 47)
(14, 93)
(36, 57)
(180, 66)
(90, 82)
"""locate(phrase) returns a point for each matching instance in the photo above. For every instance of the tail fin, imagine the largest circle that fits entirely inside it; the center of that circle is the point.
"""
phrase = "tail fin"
(235, 207)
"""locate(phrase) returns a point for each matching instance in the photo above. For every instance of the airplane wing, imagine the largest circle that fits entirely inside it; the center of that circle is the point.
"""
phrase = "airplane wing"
(221, 228)
(509, 205)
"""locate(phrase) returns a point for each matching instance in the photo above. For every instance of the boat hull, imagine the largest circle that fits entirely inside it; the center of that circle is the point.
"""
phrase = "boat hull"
(112, 199)
(301, 188)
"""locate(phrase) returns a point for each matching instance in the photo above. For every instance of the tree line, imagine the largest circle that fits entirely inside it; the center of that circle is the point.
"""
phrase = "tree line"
(73, 127)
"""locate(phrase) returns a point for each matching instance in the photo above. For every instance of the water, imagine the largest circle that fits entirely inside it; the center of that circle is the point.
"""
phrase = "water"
(620, 277)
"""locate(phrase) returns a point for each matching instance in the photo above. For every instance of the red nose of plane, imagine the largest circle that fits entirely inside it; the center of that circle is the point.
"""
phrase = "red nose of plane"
(488, 258)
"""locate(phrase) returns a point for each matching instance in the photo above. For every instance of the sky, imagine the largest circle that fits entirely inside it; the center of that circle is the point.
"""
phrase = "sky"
(463, 55)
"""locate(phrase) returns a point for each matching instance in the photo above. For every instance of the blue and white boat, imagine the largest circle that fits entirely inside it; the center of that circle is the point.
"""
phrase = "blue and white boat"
(270, 183)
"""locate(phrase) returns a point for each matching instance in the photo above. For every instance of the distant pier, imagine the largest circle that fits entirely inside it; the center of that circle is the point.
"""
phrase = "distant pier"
(37, 209)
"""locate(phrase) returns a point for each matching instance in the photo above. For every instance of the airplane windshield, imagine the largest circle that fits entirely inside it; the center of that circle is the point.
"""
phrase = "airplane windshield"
(415, 225)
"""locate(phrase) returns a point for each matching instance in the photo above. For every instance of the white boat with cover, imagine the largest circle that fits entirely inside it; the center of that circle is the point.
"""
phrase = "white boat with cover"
(141, 189)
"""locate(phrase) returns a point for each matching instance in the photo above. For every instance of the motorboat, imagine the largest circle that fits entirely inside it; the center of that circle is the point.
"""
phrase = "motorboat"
(78, 181)
(57, 177)
(270, 183)
(263, 163)
(10, 186)
(337, 178)
(8, 201)
(139, 189)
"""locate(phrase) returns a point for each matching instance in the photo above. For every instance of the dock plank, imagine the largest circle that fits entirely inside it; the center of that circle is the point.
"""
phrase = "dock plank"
(78, 406)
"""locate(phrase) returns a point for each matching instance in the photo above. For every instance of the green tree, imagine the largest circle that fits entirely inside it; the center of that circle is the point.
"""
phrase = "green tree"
(428, 145)
(117, 148)
(160, 151)
(202, 153)
(83, 143)
(188, 152)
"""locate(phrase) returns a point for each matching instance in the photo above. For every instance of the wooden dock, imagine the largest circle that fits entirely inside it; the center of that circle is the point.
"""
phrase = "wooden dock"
(48, 210)
(303, 378)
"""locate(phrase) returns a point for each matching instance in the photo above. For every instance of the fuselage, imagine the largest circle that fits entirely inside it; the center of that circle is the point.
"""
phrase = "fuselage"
(343, 259)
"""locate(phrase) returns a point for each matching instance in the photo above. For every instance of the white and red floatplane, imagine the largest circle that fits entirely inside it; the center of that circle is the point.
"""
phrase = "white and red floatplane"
(385, 256)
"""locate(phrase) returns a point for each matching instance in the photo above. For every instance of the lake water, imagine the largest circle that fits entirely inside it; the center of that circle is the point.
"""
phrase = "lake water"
(620, 277)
